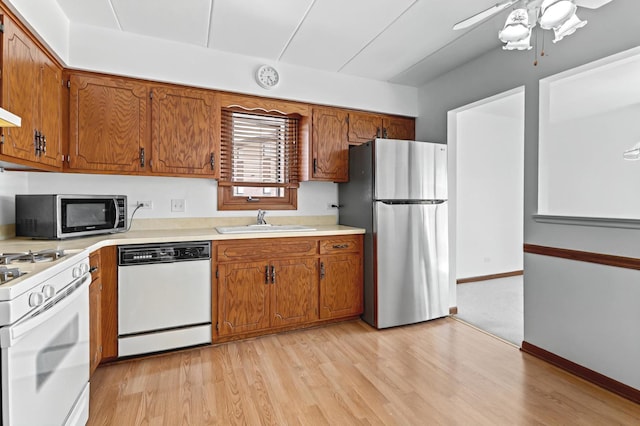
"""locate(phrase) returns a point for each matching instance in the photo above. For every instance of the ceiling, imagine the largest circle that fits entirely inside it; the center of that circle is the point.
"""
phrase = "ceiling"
(400, 41)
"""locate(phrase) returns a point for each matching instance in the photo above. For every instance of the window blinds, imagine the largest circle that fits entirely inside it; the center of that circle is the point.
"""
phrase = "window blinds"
(258, 150)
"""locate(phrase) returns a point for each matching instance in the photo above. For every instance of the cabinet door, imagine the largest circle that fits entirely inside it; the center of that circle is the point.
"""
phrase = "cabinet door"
(294, 291)
(243, 297)
(184, 131)
(364, 127)
(340, 286)
(95, 330)
(107, 124)
(51, 112)
(400, 128)
(329, 145)
(20, 90)
(95, 311)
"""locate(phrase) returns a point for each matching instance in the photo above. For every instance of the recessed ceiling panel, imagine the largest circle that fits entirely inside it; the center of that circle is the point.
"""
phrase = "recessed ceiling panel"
(185, 21)
(415, 35)
(89, 12)
(255, 27)
(336, 30)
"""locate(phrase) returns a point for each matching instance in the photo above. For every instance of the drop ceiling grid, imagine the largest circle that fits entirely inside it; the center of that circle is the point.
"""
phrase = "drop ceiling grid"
(335, 30)
(255, 27)
(186, 21)
(90, 12)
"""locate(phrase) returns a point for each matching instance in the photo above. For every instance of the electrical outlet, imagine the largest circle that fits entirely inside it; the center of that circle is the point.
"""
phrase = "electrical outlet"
(177, 205)
(147, 205)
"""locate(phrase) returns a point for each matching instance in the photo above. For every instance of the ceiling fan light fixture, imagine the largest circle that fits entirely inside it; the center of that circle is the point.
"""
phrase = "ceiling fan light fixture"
(554, 13)
(568, 28)
(516, 28)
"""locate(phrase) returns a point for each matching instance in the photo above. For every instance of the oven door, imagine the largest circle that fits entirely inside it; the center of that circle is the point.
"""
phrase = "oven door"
(86, 216)
(45, 362)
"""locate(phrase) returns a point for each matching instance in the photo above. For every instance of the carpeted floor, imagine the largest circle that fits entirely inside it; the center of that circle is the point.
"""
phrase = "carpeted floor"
(495, 306)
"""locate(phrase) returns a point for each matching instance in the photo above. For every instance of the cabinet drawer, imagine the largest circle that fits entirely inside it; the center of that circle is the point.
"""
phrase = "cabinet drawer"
(351, 244)
(266, 249)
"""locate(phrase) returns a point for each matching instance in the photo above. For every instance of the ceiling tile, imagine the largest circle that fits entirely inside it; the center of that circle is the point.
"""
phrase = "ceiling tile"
(255, 27)
(89, 12)
(184, 21)
(336, 30)
(417, 34)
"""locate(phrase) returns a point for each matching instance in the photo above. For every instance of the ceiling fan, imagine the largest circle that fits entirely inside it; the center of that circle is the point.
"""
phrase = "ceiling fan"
(557, 15)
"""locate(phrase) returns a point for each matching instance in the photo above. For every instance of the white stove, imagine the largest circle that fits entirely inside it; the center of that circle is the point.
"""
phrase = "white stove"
(44, 336)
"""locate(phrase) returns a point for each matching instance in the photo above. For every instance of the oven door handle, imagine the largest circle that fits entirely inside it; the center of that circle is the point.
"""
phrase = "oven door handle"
(9, 335)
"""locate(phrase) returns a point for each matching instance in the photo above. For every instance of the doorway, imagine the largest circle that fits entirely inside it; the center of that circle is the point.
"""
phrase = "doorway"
(486, 181)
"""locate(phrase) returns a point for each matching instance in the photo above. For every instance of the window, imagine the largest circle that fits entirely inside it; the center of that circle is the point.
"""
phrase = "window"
(259, 161)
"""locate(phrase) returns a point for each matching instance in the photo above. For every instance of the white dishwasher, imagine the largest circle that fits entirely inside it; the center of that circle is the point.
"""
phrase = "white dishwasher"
(164, 296)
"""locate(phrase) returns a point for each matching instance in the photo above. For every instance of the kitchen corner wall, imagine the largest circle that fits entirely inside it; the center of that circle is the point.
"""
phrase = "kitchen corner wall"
(11, 183)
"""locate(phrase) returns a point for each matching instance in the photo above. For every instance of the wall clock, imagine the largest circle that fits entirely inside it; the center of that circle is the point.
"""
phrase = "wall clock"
(267, 76)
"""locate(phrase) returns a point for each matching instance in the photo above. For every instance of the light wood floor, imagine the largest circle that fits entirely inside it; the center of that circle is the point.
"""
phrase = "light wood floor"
(439, 372)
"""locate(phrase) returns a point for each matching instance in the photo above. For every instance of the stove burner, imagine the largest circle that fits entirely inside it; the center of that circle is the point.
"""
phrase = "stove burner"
(32, 257)
(7, 274)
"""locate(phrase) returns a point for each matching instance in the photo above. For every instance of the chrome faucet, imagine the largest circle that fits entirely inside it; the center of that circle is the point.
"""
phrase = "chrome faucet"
(260, 219)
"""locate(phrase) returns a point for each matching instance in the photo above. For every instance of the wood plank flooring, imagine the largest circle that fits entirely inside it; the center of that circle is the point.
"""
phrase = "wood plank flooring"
(439, 372)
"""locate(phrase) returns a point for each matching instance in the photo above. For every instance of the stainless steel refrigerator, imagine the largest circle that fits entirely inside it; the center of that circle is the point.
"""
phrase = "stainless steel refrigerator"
(397, 191)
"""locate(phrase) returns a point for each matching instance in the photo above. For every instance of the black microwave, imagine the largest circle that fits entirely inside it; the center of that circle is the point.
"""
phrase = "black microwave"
(56, 216)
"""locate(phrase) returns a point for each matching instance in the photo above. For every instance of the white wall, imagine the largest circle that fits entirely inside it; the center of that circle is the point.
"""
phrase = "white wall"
(489, 200)
(11, 183)
(200, 194)
(611, 29)
(115, 52)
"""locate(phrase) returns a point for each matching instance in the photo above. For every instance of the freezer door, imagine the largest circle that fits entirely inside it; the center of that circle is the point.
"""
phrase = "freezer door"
(412, 267)
(409, 170)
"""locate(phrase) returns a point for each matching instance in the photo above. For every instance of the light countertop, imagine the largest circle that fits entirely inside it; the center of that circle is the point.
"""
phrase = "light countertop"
(163, 235)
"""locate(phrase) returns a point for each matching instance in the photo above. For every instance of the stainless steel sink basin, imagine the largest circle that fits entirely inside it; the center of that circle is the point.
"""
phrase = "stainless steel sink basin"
(262, 228)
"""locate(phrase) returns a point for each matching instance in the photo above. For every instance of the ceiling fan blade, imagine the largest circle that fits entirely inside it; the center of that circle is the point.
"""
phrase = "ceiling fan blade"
(591, 4)
(486, 14)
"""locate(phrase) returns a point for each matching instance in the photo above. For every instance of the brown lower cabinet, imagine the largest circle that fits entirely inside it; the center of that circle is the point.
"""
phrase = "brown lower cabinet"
(95, 312)
(269, 285)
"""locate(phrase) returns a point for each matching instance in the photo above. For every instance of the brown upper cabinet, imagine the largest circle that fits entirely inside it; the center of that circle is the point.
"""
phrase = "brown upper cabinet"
(31, 89)
(329, 145)
(107, 124)
(185, 131)
(364, 127)
(131, 126)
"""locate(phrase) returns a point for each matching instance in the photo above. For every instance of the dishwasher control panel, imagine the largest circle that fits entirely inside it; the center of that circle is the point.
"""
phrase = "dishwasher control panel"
(137, 254)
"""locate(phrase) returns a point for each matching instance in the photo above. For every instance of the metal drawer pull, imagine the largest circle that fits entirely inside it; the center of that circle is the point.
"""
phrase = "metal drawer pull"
(340, 246)
(273, 274)
(266, 274)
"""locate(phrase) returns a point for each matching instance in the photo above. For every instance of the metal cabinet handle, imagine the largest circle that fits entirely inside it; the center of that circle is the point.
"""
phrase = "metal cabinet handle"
(36, 142)
(315, 165)
(93, 269)
(212, 161)
(384, 133)
(340, 246)
(44, 144)
(322, 271)
(266, 274)
(141, 157)
(378, 132)
(273, 274)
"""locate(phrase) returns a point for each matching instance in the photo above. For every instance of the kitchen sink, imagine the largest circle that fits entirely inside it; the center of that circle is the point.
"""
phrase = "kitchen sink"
(262, 228)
